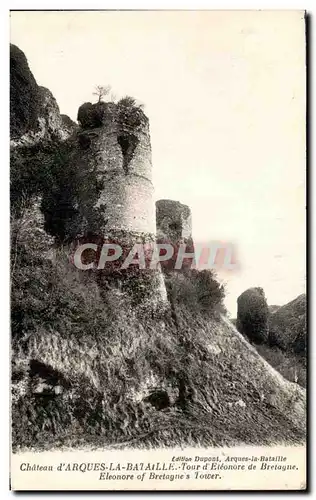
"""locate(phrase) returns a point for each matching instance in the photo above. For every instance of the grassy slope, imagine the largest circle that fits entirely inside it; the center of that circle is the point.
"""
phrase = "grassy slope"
(287, 325)
(286, 348)
(224, 392)
(291, 366)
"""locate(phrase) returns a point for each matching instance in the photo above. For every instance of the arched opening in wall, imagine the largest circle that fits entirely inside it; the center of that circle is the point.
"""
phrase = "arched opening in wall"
(128, 144)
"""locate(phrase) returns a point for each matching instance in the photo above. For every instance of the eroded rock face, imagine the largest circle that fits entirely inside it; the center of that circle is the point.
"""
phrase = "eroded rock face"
(39, 148)
(34, 112)
(253, 315)
(24, 98)
(68, 124)
(287, 326)
(285, 346)
(52, 123)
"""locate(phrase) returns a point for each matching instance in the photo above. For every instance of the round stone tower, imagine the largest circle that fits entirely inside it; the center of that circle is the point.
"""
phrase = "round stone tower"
(117, 146)
(114, 148)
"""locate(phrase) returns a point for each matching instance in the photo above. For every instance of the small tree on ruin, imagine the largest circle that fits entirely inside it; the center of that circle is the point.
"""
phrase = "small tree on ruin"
(102, 91)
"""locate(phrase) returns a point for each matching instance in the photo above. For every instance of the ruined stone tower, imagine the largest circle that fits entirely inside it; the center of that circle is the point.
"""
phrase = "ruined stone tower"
(174, 221)
(118, 147)
(174, 226)
(114, 145)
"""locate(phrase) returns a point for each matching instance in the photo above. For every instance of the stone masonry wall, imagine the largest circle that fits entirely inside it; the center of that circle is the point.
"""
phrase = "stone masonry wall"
(127, 191)
(120, 156)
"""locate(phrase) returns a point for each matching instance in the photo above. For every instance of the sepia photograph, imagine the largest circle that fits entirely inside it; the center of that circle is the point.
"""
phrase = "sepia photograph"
(158, 249)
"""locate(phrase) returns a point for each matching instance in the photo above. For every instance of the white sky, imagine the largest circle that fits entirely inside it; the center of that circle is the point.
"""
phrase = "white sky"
(225, 95)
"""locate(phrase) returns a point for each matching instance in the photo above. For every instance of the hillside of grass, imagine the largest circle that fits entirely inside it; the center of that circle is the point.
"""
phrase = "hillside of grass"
(89, 370)
(285, 347)
(287, 326)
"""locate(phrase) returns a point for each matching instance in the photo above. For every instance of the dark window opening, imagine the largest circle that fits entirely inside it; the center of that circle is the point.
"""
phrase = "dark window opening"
(128, 144)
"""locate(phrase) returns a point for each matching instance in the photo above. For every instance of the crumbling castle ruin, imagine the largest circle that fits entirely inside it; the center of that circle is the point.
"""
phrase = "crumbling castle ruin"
(114, 143)
(110, 150)
(120, 152)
